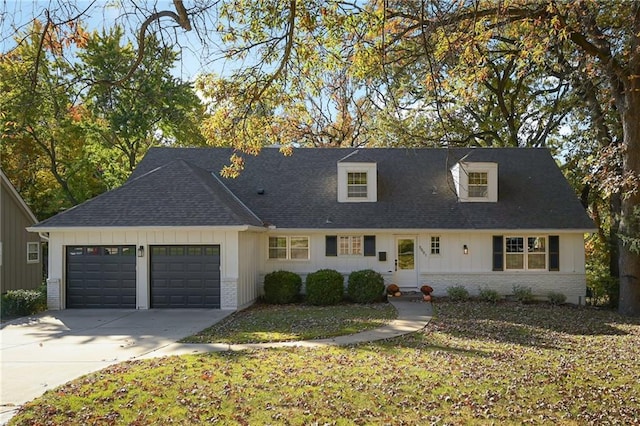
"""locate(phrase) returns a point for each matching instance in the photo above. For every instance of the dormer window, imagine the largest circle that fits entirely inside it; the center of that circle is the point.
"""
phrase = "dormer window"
(356, 185)
(357, 182)
(478, 185)
(476, 182)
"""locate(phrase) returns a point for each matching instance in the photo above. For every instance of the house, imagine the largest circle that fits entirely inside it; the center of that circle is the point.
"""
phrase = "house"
(20, 264)
(176, 234)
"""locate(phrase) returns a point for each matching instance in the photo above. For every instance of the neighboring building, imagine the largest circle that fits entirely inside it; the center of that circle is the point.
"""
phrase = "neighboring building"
(20, 252)
(176, 234)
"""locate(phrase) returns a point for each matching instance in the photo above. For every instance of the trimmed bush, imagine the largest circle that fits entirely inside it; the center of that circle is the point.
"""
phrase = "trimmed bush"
(523, 294)
(489, 295)
(365, 286)
(17, 303)
(282, 287)
(556, 298)
(325, 287)
(458, 293)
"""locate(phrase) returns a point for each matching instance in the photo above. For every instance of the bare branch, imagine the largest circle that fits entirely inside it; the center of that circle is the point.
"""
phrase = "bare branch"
(181, 18)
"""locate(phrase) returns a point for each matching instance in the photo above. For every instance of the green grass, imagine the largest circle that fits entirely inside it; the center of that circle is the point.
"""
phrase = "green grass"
(475, 363)
(282, 323)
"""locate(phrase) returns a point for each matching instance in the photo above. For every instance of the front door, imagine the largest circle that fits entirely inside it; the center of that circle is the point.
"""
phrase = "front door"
(406, 275)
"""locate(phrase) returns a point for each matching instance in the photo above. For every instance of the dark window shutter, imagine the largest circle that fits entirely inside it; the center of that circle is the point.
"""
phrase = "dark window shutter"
(369, 245)
(331, 245)
(498, 258)
(554, 253)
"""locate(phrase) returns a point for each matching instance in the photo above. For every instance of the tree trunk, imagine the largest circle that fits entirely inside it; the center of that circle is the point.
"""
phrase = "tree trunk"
(629, 261)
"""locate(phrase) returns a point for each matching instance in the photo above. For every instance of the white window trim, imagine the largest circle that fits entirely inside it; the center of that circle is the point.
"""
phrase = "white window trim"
(460, 173)
(370, 169)
(288, 248)
(486, 185)
(31, 244)
(526, 253)
(351, 253)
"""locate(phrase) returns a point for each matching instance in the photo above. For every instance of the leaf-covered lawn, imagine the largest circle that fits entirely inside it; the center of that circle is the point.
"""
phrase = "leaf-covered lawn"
(281, 323)
(474, 364)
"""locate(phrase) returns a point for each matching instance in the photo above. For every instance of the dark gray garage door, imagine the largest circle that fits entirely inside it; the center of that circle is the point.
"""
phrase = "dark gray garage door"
(101, 277)
(185, 276)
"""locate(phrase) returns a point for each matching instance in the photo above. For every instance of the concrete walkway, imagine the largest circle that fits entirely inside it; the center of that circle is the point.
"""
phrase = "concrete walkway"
(413, 315)
(44, 351)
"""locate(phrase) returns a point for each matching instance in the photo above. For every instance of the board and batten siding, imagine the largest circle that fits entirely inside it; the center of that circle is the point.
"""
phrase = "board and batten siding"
(15, 271)
(451, 267)
(227, 239)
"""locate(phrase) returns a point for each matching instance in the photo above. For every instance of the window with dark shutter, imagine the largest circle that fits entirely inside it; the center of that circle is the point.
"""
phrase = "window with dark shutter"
(331, 245)
(369, 245)
(498, 253)
(554, 253)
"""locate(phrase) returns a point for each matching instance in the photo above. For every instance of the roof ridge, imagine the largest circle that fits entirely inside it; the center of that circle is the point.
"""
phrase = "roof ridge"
(199, 173)
(235, 197)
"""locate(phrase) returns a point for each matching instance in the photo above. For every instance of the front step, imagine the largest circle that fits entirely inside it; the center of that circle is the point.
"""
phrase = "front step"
(408, 296)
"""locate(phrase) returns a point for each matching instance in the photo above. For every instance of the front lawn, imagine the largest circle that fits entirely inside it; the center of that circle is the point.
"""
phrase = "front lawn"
(282, 323)
(475, 363)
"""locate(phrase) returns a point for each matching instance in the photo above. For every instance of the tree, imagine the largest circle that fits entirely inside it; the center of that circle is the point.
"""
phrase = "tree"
(69, 132)
(445, 47)
(150, 107)
(42, 141)
(605, 39)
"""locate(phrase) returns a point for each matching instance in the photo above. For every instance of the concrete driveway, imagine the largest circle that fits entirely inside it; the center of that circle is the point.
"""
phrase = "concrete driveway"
(41, 352)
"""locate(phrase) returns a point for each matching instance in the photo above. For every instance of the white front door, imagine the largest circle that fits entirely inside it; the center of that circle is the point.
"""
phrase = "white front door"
(406, 270)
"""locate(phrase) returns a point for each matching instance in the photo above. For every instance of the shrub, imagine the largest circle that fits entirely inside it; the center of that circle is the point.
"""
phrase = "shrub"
(556, 298)
(489, 295)
(281, 287)
(365, 286)
(522, 294)
(325, 287)
(16, 303)
(603, 290)
(458, 293)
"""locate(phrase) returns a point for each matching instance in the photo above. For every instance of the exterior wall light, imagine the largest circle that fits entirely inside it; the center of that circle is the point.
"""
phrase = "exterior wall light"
(465, 249)
(141, 251)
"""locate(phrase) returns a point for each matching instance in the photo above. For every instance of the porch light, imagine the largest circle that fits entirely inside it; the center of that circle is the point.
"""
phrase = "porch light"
(465, 249)
(141, 251)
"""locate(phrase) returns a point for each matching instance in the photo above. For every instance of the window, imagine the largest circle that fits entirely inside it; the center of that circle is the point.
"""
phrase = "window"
(350, 245)
(357, 182)
(435, 245)
(33, 252)
(532, 255)
(357, 185)
(296, 248)
(476, 182)
(478, 185)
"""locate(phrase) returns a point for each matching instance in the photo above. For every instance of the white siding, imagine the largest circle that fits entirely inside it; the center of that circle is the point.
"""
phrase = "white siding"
(451, 266)
(249, 268)
(227, 239)
(244, 260)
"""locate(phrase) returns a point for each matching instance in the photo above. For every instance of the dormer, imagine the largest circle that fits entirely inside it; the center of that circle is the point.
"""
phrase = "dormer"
(476, 182)
(357, 180)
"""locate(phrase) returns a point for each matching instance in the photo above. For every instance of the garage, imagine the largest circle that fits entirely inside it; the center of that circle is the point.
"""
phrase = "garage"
(185, 276)
(101, 277)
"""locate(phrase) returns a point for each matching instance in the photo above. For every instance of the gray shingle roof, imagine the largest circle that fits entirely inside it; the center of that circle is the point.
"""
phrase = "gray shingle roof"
(415, 191)
(175, 193)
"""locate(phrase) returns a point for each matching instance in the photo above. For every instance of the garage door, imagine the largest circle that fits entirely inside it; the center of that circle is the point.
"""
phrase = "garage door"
(185, 276)
(101, 277)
